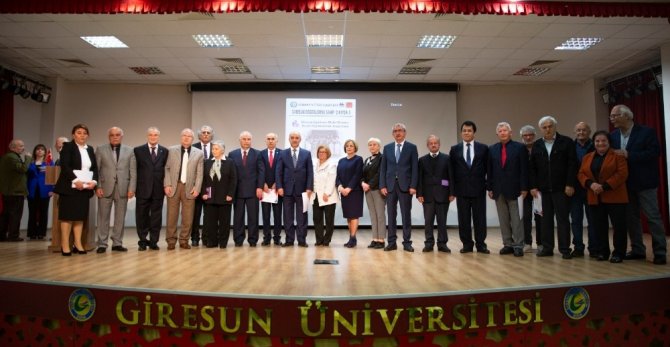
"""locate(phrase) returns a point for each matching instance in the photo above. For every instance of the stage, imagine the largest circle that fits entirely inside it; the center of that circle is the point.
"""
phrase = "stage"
(275, 295)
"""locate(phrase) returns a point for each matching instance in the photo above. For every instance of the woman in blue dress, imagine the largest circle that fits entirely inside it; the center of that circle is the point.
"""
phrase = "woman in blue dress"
(348, 180)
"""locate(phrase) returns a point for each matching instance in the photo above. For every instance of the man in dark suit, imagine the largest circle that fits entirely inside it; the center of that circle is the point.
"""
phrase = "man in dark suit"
(250, 180)
(150, 158)
(398, 180)
(205, 136)
(269, 156)
(578, 203)
(295, 176)
(507, 181)
(13, 167)
(469, 160)
(433, 192)
(553, 175)
(639, 144)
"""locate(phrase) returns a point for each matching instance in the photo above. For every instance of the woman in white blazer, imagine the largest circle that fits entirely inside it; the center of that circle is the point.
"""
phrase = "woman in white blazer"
(325, 196)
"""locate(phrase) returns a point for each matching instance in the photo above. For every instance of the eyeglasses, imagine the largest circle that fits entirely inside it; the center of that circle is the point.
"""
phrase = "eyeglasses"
(615, 115)
(205, 132)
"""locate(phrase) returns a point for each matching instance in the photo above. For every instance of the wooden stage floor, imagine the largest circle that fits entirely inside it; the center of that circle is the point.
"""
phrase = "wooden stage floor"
(268, 272)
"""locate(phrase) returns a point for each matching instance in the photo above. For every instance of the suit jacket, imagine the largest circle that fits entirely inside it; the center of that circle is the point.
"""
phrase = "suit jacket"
(37, 178)
(150, 174)
(270, 174)
(511, 179)
(405, 169)
(194, 170)
(643, 152)
(221, 187)
(250, 177)
(470, 181)
(552, 172)
(13, 174)
(70, 160)
(613, 175)
(110, 171)
(209, 150)
(435, 178)
(298, 179)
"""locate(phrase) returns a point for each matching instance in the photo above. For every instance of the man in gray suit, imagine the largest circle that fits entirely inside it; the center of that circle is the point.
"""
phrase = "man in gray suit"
(116, 184)
(182, 183)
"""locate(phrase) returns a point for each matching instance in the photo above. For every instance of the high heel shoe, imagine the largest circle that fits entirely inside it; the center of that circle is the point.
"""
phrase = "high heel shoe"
(76, 250)
(65, 254)
(351, 243)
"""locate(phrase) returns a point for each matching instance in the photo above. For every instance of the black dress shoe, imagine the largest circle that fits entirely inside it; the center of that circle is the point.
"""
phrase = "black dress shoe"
(577, 253)
(566, 256)
(601, 257)
(154, 247)
(544, 253)
(142, 248)
(466, 250)
(660, 260)
(634, 256)
(427, 249)
(483, 250)
(443, 249)
(518, 252)
(195, 243)
(380, 245)
(265, 243)
(372, 244)
(390, 248)
(506, 250)
(252, 245)
(65, 254)
(101, 250)
(277, 243)
(408, 249)
(119, 249)
(616, 259)
(304, 245)
(222, 246)
(287, 244)
(238, 245)
(211, 246)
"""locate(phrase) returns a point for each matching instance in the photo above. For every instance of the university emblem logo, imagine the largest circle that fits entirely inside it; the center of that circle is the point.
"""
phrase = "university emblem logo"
(576, 303)
(81, 304)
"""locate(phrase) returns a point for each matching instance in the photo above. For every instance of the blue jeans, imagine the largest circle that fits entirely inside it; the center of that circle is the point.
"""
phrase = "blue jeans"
(577, 206)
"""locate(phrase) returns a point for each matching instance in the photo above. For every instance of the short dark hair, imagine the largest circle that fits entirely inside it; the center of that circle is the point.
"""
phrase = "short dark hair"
(38, 146)
(604, 133)
(470, 124)
(79, 126)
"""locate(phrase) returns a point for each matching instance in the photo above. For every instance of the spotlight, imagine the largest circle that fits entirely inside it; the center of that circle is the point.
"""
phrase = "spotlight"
(45, 97)
(5, 84)
(606, 98)
(24, 92)
(626, 93)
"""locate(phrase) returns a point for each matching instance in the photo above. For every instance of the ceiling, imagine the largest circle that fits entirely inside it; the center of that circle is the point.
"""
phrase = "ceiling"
(489, 49)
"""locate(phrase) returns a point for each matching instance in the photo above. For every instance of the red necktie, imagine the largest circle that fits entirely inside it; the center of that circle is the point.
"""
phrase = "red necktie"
(272, 156)
(504, 154)
(244, 158)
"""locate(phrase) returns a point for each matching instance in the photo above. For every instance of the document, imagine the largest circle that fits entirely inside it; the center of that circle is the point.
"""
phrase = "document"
(537, 204)
(305, 202)
(270, 196)
(520, 206)
(83, 176)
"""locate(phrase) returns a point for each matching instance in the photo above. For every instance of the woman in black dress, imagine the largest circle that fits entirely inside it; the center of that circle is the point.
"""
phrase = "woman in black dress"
(218, 189)
(348, 180)
(75, 185)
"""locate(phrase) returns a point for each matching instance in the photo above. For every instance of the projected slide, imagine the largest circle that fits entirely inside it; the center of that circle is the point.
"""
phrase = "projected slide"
(322, 122)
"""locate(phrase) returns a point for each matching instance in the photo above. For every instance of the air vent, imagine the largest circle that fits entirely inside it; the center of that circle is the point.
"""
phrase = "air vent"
(544, 62)
(237, 61)
(147, 70)
(74, 62)
(532, 71)
(197, 16)
(415, 70)
(418, 61)
(235, 69)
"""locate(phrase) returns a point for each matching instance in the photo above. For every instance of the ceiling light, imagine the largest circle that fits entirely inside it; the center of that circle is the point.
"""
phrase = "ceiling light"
(436, 41)
(147, 70)
(104, 41)
(579, 43)
(213, 41)
(325, 69)
(235, 69)
(531, 71)
(415, 70)
(324, 40)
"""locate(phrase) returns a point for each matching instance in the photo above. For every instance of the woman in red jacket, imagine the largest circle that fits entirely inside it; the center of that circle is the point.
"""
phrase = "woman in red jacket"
(603, 173)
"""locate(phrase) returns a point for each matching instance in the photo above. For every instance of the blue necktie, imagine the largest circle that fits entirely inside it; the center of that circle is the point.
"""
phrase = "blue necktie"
(295, 157)
(397, 152)
(468, 158)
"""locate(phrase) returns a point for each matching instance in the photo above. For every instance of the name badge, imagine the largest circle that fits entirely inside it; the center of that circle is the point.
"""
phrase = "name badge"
(445, 183)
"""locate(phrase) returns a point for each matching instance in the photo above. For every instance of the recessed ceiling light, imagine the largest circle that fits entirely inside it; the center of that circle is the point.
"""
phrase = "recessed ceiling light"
(531, 71)
(324, 40)
(415, 70)
(579, 43)
(235, 69)
(213, 41)
(104, 41)
(325, 69)
(436, 41)
(147, 70)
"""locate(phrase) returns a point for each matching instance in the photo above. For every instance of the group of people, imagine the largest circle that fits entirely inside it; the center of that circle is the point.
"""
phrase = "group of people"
(605, 176)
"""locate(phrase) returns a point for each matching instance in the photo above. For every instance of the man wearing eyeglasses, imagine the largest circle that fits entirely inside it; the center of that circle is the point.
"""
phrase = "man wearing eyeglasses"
(639, 144)
(205, 136)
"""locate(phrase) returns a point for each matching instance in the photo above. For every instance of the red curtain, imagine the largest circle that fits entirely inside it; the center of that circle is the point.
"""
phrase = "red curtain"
(541, 8)
(7, 121)
(644, 96)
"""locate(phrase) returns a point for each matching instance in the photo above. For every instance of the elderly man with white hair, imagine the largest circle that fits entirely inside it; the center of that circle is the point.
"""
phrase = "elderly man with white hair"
(553, 175)
(13, 168)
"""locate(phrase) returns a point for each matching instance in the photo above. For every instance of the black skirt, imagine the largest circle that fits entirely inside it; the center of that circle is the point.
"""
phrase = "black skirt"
(74, 207)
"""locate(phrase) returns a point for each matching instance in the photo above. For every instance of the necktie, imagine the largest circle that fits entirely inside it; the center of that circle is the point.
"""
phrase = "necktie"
(184, 167)
(244, 158)
(295, 157)
(153, 154)
(397, 152)
(116, 152)
(503, 155)
(272, 156)
(204, 148)
(468, 158)
(433, 155)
